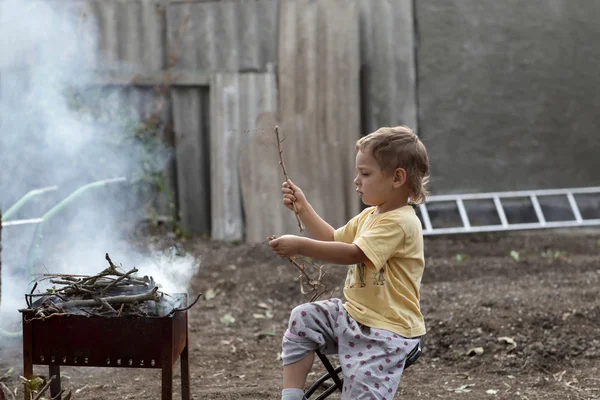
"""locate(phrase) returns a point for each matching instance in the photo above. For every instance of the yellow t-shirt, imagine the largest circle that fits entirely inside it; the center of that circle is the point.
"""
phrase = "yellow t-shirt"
(383, 293)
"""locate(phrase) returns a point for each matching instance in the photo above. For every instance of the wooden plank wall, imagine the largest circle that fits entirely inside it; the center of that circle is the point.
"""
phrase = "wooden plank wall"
(190, 121)
(223, 36)
(319, 75)
(205, 38)
(261, 179)
(236, 102)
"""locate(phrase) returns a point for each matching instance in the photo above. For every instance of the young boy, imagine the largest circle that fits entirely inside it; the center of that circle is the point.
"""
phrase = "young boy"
(381, 321)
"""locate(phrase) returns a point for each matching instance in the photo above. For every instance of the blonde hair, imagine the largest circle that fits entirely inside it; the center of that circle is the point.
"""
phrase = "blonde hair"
(400, 147)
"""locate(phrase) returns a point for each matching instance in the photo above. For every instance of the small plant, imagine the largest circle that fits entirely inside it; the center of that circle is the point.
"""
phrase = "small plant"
(129, 145)
(461, 257)
(515, 255)
(36, 387)
(555, 255)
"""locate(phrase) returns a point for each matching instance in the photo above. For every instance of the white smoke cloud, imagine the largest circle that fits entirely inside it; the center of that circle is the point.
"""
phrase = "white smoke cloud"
(58, 127)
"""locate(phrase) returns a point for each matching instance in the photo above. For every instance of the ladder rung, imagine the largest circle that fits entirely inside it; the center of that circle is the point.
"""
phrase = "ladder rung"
(504, 224)
(500, 211)
(425, 216)
(463, 213)
(538, 209)
(574, 207)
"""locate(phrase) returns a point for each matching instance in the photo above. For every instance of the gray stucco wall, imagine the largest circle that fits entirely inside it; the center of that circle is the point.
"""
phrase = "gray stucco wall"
(508, 93)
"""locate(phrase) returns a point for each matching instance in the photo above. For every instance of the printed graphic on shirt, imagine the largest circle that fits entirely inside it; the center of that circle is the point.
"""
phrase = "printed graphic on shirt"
(379, 279)
(356, 276)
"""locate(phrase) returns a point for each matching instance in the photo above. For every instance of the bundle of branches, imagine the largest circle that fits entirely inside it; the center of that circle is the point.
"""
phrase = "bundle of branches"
(312, 285)
(110, 293)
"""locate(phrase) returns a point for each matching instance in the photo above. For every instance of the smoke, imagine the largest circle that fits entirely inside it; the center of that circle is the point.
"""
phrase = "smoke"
(58, 126)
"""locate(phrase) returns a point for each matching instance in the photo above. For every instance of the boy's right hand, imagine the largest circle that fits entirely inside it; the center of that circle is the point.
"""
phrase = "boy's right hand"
(293, 194)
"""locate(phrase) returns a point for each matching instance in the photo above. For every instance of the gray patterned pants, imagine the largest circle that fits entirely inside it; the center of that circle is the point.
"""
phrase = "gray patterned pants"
(372, 359)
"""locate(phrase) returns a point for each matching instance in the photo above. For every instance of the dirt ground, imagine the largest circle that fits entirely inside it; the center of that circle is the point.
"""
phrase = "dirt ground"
(535, 314)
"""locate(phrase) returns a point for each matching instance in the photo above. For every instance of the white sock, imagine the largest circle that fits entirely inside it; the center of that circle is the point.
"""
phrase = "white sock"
(292, 394)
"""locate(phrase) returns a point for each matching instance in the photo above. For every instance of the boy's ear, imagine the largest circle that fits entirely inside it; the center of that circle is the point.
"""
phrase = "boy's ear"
(399, 177)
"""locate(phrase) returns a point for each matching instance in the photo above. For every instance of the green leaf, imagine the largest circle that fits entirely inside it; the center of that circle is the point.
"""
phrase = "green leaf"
(461, 257)
(515, 255)
(211, 294)
(34, 384)
(227, 319)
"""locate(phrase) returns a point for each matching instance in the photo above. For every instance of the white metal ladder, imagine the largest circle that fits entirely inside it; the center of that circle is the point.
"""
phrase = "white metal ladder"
(504, 224)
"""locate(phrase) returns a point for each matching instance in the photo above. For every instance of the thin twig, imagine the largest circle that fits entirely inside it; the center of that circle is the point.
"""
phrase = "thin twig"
(300, 268)
(119, 279)
(173, 311)
(107, 306)
(286, 176)
(46, 317)
(28, 300)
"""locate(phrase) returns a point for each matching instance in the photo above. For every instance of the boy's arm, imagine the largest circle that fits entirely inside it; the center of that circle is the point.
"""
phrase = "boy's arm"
(317, 227)
(333, 252)
(330, 251)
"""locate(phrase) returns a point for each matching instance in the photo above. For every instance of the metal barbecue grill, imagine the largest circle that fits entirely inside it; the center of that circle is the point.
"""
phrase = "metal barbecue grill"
(119, 342)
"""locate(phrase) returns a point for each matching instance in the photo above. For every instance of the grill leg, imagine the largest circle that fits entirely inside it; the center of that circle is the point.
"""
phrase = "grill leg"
(55, 385)
(27, 368)
(185, 374)
(27, 355)
(167, 382)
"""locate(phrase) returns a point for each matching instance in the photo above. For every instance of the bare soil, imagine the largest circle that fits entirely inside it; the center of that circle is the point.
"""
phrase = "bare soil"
(474, 293)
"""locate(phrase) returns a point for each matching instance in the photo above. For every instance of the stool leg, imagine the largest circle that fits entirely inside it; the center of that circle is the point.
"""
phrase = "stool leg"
(167, 382)
(185, 374)
(55, 385)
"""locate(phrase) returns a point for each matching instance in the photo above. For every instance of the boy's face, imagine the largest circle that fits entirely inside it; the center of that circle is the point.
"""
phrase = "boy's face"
(372, 184)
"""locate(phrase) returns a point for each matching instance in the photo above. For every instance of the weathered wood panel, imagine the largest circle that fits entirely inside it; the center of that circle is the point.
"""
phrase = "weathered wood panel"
(223, 36)
(319, 87)
(261, 178)
(236, 101)
(388, 63)
(191, 124)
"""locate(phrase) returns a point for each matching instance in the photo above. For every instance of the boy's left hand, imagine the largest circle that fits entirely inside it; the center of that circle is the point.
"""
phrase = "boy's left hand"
(286, 245)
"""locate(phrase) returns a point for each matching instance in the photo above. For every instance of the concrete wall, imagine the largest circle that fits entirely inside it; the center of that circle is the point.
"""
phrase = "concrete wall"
(508, 93)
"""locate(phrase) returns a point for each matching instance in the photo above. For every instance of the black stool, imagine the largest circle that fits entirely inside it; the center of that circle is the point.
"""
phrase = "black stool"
(333, 373)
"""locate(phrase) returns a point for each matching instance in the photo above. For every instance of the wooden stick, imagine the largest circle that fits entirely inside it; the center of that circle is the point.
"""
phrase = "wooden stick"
(151, 295)
(300, 267)
(119, 279)
(286, 176)
(107, 306)
(173, 311)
